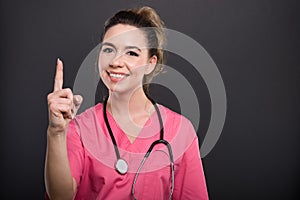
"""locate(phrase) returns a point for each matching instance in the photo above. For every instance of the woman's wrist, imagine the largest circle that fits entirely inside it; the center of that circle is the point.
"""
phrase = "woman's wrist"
(56, 131)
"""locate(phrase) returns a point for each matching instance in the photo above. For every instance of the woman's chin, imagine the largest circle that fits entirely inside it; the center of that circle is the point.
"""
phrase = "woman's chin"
(117, 89)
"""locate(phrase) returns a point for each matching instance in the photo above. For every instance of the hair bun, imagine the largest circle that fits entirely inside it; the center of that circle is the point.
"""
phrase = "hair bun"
(151, 15)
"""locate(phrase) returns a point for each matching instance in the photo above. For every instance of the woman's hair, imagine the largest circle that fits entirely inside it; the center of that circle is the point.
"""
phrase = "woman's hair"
(142, 18)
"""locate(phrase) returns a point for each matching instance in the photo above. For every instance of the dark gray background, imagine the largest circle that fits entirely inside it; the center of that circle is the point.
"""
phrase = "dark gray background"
(255, 45)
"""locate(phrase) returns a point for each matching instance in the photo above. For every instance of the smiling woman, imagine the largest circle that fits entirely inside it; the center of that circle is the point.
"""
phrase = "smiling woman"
(128, 147)
(124, 58)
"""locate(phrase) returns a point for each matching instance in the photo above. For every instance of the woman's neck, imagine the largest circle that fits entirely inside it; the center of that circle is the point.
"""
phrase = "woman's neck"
(130, 106)
(131, 112)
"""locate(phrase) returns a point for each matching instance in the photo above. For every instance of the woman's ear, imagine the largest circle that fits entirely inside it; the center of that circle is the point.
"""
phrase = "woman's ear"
(151, 65)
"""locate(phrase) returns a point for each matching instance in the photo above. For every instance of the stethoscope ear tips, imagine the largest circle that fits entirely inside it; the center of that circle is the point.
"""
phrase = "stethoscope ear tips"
(121, 166)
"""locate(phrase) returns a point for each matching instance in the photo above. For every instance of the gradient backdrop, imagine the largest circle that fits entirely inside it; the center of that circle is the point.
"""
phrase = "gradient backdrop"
(255, 45)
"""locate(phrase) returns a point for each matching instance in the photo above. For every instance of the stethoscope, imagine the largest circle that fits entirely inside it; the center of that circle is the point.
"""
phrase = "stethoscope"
(121, 165)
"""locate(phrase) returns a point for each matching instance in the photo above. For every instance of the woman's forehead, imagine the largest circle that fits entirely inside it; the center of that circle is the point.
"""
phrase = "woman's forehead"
(125, 35)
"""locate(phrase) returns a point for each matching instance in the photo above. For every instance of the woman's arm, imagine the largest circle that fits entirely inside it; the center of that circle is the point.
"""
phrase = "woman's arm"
(189, 179)
(58, 178)
(62, 107)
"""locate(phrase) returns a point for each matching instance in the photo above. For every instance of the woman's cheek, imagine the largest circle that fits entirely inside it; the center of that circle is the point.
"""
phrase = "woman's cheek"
(103, 66)
(103, 75)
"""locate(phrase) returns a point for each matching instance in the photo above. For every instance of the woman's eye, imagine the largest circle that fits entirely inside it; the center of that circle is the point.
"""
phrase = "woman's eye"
(107, 50)
(132, 53)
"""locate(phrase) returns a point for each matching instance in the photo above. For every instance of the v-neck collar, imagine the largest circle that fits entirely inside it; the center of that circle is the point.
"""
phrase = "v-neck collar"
(148, 133)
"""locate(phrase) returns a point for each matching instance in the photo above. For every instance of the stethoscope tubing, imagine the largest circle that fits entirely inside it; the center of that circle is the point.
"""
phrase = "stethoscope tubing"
(160, 141)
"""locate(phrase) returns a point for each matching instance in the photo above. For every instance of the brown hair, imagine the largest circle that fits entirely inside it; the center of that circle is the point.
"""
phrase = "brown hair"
(142, 18)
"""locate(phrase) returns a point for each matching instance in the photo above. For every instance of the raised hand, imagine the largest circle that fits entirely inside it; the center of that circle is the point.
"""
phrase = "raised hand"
(62, 104)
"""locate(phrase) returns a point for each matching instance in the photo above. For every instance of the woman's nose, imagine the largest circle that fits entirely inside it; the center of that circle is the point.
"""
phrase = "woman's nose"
(117, 61)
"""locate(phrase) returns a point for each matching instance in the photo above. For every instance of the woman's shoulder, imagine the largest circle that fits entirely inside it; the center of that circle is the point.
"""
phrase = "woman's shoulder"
(87, 120)
(89, 112)
(173, 115)
(174, 121)
(89, 116)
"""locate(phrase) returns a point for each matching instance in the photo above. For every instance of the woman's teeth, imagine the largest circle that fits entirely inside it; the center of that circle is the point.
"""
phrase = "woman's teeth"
(116, 75)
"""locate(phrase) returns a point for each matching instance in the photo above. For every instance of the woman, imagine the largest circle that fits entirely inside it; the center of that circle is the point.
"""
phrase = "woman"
(99, 154)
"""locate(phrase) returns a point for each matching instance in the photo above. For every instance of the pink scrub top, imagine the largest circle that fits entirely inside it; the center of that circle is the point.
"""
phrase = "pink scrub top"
(92, 158)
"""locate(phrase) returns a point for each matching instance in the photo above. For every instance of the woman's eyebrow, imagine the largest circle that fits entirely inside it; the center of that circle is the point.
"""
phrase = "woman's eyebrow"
(126, 48)
(108, 44)
(133, 47)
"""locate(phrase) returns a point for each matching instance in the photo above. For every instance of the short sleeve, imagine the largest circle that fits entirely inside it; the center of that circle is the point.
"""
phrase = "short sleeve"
(189, 178)
(75, 151)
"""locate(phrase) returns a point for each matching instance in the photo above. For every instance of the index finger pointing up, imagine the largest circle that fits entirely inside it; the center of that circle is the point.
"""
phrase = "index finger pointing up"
(58, 81)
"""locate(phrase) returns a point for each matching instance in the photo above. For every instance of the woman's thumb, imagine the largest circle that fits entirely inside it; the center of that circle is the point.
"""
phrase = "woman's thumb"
(77, 100)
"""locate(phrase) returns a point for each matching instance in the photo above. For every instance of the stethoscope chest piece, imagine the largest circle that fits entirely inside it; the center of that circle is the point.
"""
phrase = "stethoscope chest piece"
(121, 166)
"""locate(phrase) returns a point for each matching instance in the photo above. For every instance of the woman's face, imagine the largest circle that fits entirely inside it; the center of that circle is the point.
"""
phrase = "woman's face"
(124, 58)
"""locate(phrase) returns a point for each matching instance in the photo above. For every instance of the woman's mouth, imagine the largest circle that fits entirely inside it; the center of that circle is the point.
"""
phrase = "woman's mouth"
(114, 76)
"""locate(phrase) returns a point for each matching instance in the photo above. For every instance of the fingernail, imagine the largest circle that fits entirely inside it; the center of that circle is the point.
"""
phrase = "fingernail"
(78, 98)
(57, 60)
